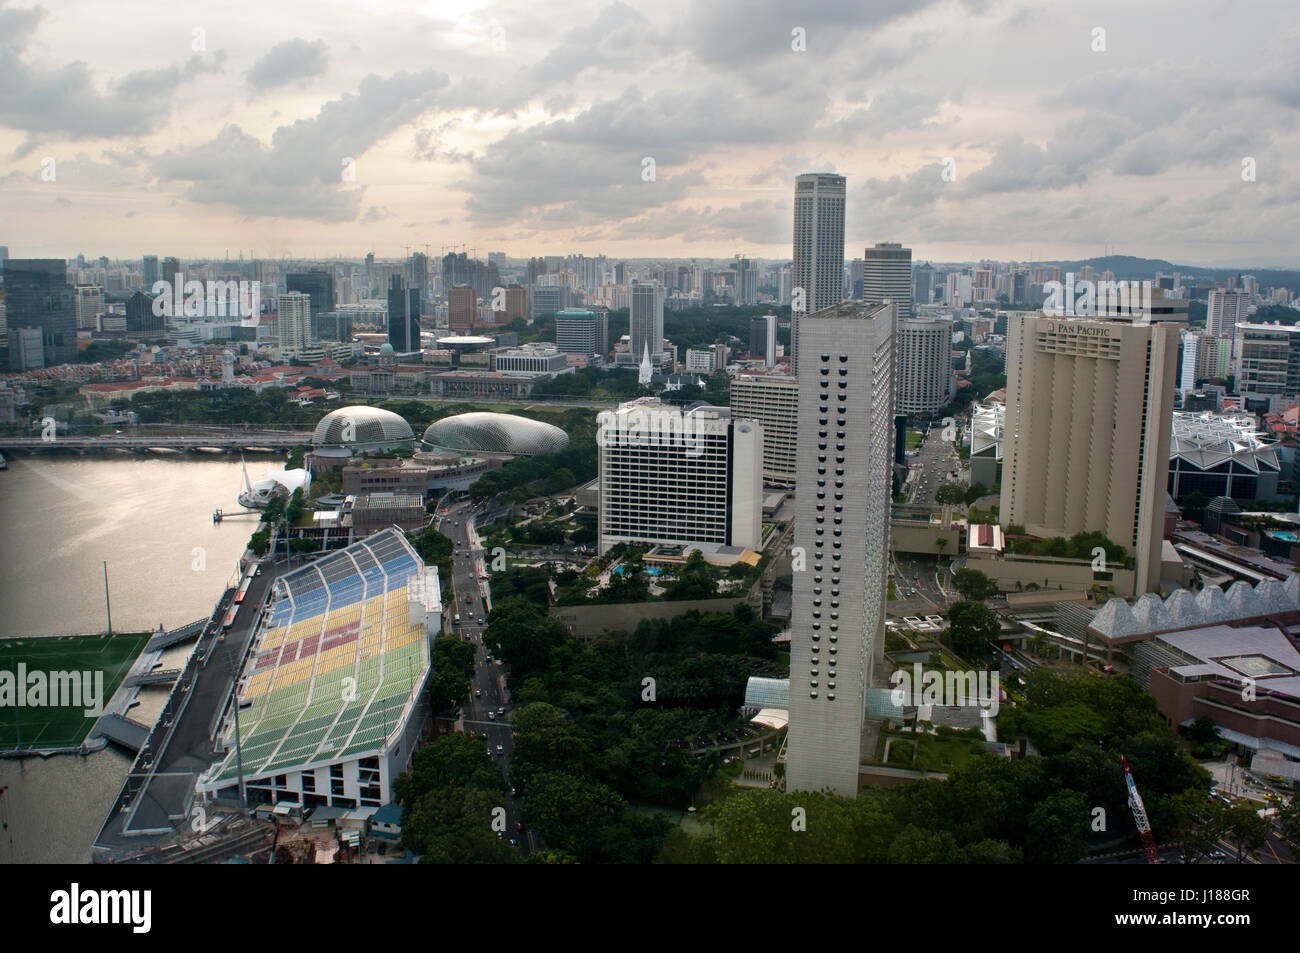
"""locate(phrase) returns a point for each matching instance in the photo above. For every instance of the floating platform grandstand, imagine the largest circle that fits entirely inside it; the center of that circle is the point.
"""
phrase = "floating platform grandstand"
(331, 696)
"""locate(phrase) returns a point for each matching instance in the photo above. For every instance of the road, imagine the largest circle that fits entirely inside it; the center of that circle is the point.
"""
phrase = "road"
(487, 712)
(937, 458)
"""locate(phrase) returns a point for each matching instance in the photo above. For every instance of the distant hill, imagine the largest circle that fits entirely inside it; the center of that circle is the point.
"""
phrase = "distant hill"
(1128, 267)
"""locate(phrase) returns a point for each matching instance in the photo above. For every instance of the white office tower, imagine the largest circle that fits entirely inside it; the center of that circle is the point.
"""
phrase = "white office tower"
(925, 378)
(673, 478)
(818, 270)
(646, 321)
(294, 322)
(846, 426)
(887, 276)
(1225, 310)
(1188, 363)
(1086, 443)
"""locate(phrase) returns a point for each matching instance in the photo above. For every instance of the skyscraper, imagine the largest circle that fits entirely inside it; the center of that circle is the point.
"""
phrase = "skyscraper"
(887, 274)
(1086, 442)
(170, 267)
(818, 272)
(923, 285)
(762, 338)
(462, 308)
(1225, 310)
(646, 323)
(37, 295)
(294, 323)
(403, 316)
(772, 400)
(846, 418)
(150, 272)
(317, 284)
(926, 380)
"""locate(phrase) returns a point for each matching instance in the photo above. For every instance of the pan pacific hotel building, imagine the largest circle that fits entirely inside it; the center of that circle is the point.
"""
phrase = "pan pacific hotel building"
(1089, 416)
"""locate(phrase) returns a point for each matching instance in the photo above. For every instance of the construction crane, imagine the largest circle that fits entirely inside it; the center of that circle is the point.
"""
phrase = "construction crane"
(1140, 815)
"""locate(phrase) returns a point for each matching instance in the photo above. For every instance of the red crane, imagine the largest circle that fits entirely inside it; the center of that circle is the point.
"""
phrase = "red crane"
(1140, 815)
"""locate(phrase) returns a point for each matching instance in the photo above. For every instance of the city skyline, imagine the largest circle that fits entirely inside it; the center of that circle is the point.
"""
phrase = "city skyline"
(225, 143)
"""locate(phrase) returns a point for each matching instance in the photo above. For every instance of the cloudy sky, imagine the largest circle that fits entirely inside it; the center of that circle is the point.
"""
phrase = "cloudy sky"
(295, 128)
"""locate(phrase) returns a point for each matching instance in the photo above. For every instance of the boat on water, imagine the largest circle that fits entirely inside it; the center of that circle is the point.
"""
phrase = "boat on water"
(162, 450)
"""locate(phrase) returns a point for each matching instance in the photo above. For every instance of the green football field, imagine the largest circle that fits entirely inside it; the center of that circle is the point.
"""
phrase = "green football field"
(49, 727)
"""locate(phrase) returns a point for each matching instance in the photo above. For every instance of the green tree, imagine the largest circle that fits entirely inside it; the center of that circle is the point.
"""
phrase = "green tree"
(974, 585)
(1247, 831)
(1058, 829)
(950, 493)
(970, 627)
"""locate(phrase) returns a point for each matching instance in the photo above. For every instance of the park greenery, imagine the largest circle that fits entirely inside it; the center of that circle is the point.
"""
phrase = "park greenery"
(593, 738)
(991, 809)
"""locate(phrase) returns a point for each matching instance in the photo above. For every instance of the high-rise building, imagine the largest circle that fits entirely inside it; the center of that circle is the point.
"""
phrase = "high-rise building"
(294, 323)
(516, 302)
(403, 316)
(846, 433)
(140, 318)
(1187, 363)
(818, 271)
(746, 281)
(170, 267)
(646, 321)
(317, 284)
(548, 299)
(578, 331)
(772, 400)
(1266, 360)
(26, 349)
(462, 308)
(923, 284)
(1225, 310)
(37, 295)
(150, 272)
(672, 477)
(925, 378)
(89, 302)
(762, 338)
(1086, 443)
(887, 276)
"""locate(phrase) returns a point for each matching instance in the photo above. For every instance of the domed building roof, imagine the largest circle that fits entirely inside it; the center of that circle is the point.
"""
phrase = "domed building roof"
(361, 426)
(386, 348)
(495, 433)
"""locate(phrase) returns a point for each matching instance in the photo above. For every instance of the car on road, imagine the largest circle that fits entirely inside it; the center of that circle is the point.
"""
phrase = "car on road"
(478, 693)
(514, 793)
(492, 716)
(500, 749)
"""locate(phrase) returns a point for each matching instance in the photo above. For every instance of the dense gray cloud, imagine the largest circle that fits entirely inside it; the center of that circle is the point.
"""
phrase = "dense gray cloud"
(289, 62)
(312, 169)
(513, 121)
(43, 99)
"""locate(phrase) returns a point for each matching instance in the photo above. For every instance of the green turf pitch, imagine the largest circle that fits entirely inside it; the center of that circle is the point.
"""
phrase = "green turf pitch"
(48, 727)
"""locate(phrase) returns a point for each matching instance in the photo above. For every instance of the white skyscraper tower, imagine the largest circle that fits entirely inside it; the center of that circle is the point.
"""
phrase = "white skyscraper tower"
(887, 276)
(294, 322)
(846, 414)
(818, 249)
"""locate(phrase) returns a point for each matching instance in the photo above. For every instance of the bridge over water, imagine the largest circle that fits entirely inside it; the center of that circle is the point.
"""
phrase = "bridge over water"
(230, 440)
